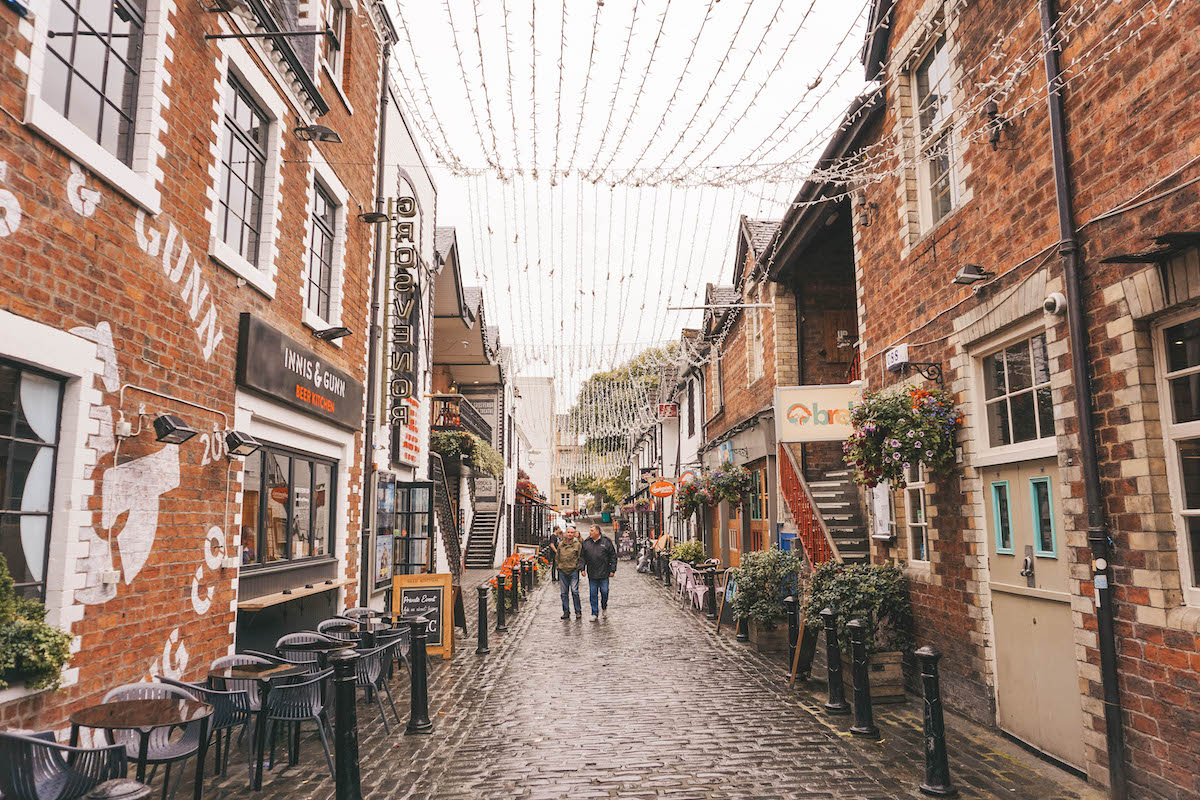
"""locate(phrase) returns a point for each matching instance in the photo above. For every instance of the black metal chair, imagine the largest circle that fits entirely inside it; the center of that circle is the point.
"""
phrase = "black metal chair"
(250, 687)
(231, 709)
(166, 745)
(35, 767)
(294, 703)
(303, 637)
(370, 675)
(340, 628)
(357, 613)
(400, 638)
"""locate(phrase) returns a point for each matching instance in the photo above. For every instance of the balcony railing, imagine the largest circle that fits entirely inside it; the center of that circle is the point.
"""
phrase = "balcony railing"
(455, 412)
(810, 526)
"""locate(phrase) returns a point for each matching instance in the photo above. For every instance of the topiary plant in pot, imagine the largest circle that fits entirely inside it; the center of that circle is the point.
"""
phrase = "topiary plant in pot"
(764, 578)
(878, 595)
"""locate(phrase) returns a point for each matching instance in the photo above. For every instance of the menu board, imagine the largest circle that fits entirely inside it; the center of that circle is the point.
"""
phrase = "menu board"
(431, 596)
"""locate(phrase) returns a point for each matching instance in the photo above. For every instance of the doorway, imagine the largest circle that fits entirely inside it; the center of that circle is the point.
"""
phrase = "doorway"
(1037, 680)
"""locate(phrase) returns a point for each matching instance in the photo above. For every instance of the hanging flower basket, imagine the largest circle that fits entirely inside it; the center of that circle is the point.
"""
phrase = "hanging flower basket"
(895, 431)
(729, 483)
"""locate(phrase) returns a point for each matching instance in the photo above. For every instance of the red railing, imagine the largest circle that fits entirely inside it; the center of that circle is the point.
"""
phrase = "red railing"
(812, 532)
(855, 372)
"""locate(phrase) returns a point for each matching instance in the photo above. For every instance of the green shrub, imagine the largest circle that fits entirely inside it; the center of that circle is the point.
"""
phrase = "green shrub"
(465, 446)
(691, 551)
(30, 650)
(764, 578)
(875, 593)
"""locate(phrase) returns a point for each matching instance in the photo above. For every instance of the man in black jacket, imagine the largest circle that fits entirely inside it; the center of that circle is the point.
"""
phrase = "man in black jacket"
(599, 563)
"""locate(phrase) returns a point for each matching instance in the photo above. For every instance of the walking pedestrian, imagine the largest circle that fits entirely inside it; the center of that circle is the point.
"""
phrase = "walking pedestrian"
(600, 563)
(552, 544)
(568, 561)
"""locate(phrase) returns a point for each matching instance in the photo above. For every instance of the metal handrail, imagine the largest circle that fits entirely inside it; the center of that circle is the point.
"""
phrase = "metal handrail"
(455, 411)
(812, 531)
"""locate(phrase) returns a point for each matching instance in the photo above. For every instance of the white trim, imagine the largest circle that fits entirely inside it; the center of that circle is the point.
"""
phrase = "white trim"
(985, 455)
(1172, 432)
(139, 182)
(320, 170)
(262, 275)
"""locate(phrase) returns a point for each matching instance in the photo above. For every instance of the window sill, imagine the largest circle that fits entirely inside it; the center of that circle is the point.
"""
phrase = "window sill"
(138, 187)
(1186, 618)
(229, 258)
(18, 691)
(315, 323)
(337, 86)
(1020, 452)
(927, 233)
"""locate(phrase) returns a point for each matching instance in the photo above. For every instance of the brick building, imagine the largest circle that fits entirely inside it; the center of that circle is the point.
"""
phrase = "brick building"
(957, 254)
(174, 248)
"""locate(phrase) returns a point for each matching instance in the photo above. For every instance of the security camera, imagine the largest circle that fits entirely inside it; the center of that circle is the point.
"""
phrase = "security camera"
(1055, 303)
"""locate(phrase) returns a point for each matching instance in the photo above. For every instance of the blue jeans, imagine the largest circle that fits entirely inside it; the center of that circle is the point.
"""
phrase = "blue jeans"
(598, 587)
(569, 581)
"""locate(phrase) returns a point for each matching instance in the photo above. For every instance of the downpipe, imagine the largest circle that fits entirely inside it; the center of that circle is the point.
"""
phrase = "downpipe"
(1097, 533)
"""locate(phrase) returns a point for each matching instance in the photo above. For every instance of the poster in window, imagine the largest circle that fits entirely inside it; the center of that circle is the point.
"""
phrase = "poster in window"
(383, 559)
(385, 502)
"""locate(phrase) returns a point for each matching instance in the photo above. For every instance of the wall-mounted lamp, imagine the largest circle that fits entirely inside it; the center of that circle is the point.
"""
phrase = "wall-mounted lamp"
(972, 273)
(995, 122)
(372, 217)
(170, 429)
(329, 334)
(240, 444)
(317, 133)
(864, 210)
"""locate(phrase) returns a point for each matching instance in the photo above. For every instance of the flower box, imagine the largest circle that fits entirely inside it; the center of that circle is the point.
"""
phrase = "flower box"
(769, 640)
(885, 674)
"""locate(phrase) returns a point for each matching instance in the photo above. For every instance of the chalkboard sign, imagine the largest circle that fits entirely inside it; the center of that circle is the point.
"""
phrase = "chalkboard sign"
(725, 600)
(429, 596)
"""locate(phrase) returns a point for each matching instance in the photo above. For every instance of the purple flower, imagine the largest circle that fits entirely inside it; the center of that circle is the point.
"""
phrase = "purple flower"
(895, 456)
(929, 453)
(916, 444)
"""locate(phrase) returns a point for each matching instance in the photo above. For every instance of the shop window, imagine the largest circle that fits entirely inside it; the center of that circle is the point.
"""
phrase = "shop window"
(93, 59)
(934, 110)
(1178, 361)
(915, 511)
(243, 172)
(320, 253)
(287, 506)
(30, 408)
(1016, 390)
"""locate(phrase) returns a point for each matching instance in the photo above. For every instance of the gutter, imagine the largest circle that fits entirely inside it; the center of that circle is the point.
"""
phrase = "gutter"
(368, 512)
(1097, 534)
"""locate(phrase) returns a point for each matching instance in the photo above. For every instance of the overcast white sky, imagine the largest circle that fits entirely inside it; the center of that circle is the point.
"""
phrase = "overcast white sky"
(579, 274)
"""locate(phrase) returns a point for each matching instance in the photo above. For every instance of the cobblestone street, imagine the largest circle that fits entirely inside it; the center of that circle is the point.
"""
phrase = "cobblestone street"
(627, 707)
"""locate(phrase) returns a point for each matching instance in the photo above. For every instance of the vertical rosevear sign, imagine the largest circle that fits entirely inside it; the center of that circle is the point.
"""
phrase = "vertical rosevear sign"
(402, 321)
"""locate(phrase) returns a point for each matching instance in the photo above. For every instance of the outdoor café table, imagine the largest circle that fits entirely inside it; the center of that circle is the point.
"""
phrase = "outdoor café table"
(321, 648)
(145, 716)
(369, 629)
(263, 674)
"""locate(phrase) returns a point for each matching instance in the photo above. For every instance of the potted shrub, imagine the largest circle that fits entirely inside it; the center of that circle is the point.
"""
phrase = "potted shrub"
(31, 652)
(764, 578)
(894, 430)
(691, 551)
(878, 595)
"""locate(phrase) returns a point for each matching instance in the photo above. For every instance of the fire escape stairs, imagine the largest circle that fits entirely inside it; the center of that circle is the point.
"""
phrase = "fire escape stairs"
(837, 501)
(481, 542)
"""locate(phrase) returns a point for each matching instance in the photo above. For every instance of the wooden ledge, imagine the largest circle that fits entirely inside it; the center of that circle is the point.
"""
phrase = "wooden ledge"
(268, 600)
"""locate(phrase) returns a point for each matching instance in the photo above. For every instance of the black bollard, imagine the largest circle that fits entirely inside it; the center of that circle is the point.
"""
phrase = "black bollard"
(666, 570)
(937, 764)
(418, 722)
(527, 571)
(710, 597)
(345, 726)
(743, 630)
(864, 720)
(516, 591)
(833, 657)
(790, 608)
(481, 648)
(500, 603)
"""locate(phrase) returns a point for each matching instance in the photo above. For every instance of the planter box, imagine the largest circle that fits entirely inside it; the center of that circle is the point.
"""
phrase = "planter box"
(885, 674)
(769, 640)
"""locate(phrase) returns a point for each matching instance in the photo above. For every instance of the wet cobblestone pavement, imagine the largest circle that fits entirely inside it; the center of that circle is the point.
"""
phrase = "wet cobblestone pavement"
(649, 702)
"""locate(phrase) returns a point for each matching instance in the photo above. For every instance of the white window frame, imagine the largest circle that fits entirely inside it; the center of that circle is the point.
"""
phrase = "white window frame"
(916, 488)
(921, 139)
(260, 275)
(139, 181)
(985, 454)
(335, 65)
(755, 368)
(718, 388)
(321, 172)
(1173, 433)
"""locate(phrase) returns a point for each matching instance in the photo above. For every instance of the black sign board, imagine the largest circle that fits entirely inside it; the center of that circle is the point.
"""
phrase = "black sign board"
(426, 601)
(282, 369)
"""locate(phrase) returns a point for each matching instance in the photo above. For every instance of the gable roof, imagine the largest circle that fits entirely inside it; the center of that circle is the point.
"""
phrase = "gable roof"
(759, 233)
(874, 52)
(444, 238)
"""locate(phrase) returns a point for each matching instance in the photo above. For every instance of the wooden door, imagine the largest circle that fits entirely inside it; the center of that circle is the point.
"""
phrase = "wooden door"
(1037, 679)
(733, 533)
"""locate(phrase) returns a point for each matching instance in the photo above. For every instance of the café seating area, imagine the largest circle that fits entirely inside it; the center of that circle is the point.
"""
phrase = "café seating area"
(237, 712)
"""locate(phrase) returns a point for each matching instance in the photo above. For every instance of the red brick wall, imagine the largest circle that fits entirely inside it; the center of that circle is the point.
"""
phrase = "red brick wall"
(1132, 121)
(65, 270)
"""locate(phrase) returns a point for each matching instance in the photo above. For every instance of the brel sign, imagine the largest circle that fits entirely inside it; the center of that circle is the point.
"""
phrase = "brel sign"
(402, 321)
(815, 413)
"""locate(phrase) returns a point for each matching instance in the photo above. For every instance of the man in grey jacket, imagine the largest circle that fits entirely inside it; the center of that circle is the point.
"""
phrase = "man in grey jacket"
(600, 563)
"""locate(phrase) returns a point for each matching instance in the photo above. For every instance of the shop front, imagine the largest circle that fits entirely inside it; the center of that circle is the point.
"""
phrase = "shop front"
(298, 551)
(738, 529)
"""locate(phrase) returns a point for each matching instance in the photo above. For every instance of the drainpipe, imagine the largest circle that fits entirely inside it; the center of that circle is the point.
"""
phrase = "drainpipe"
(368, 512)
(1097, 533)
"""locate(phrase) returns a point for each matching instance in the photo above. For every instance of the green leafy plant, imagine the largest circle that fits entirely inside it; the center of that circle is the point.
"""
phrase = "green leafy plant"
(30, 650)
(875, 593)
(896, 430)
(467, 447)
(691, 551)
(727, 482)
(764, 578)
